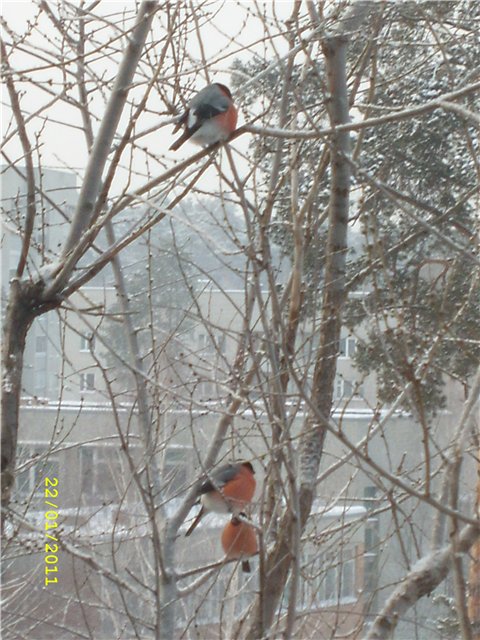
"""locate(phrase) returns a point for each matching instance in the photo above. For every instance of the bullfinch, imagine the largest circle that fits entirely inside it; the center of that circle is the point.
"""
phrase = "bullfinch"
(210, 117)
(227, 489)
(239, 541)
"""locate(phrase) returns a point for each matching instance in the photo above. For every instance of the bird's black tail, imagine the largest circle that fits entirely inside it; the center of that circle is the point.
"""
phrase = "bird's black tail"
(178, 143)
(246, 566)
(197, 519)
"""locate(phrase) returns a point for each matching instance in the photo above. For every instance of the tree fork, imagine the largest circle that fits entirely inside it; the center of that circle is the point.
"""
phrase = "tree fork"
(29, 299)
(24, 305)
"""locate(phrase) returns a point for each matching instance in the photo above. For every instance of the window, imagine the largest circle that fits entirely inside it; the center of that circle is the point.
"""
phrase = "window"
(87, 382)
(205, 344)
(370, 494)
(348, 577)
(34, 464)
(40, 368)
(326, 578)
(14, 257)
(313, 582)
(208, 601)
(347, 347)
(87, 342)
(176, 463)
(41, 344)
(221, 344)
(100, 466)
(343, 388)
(331, 582)
(206, 390)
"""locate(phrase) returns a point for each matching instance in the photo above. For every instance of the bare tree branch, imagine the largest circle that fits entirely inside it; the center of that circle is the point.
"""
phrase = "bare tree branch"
(421, 581)
(103, 142)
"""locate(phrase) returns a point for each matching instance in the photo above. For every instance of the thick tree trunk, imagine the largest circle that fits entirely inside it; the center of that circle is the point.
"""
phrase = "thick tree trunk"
(334, 290)
(278, 562)
(474, 572)
(23, 306)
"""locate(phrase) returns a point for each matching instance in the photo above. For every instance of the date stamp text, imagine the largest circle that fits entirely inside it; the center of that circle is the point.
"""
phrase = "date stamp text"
(51, 524)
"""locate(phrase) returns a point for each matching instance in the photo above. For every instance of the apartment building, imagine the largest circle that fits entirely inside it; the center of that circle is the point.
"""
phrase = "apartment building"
(71, 428)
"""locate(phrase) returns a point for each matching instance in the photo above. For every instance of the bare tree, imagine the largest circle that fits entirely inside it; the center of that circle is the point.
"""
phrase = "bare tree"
(34, 297)
(317, 317)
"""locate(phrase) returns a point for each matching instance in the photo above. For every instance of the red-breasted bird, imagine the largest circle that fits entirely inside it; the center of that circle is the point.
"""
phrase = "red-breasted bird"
(239, 541)
(210, 117)
(227, 489)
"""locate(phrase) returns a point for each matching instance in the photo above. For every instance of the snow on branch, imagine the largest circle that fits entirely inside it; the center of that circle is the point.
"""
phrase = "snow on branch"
(423, 578)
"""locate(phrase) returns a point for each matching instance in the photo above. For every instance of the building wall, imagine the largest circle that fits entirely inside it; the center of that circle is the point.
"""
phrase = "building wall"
(68, 426)
(57, 200)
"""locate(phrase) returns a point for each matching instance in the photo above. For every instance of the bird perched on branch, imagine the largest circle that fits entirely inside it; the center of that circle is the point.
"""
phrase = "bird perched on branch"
(227, 489)
(210, 117)
(239, 541)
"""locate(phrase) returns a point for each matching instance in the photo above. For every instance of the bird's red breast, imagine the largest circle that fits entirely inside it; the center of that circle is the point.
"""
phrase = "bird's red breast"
(210, 117)
(228, 120)
(239, 540)
(228, 489)
(241, 488)
(231, 489)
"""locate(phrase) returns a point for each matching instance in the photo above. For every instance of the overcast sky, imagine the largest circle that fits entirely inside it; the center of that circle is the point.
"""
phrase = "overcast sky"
(235, 31)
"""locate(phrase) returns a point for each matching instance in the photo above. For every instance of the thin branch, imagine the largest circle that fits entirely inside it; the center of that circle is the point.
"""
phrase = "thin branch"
(27, 151)
(404, 114)
(466, 114)
(103, 142)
